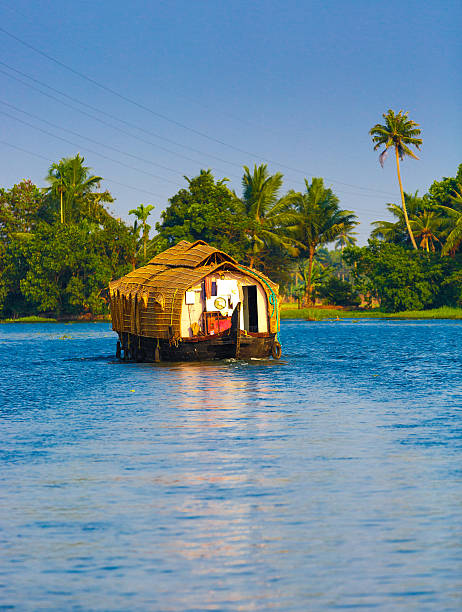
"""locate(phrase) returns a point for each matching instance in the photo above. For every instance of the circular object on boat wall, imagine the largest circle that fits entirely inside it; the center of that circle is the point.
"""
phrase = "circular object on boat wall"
(220, 303)
(276, 350)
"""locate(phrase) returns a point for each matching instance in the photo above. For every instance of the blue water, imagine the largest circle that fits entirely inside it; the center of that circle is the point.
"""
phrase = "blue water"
(329, 480)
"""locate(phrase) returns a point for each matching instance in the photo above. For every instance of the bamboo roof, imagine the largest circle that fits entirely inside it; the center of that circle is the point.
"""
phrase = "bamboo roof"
(157, 289)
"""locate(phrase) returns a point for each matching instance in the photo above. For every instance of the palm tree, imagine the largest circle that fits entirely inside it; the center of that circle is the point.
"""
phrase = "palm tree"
(424, 228)
(71, 180)
(346, 239)
(142, 213)
(390, 231)
(314, 275)
(320, 221)
(398, 132)
(56, 179)
(266, 216)
(454, 238)
(396, 231)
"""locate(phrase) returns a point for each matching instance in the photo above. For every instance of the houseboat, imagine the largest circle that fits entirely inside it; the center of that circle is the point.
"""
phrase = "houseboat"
(193, 302)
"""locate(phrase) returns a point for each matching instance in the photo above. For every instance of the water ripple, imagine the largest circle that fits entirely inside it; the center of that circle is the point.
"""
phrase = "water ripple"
(328, 480)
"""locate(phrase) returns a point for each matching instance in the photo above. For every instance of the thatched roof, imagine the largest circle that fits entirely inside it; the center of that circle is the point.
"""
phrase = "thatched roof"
(163, 282)
(190, 255)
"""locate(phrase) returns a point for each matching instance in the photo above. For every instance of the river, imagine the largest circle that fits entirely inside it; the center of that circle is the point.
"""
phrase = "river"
(329, 480)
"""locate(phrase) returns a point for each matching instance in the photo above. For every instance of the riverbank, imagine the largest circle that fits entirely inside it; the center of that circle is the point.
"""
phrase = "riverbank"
(290, 311)
(39, 319)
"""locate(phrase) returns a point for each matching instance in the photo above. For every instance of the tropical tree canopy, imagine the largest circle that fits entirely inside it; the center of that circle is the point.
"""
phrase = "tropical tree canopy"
(63, 268)
(72, 187)
(441, 192)
(403, 279)
(396, 231)
(205, 210)
(20, 208)
(398, 131)
(425, 228)
(267, 217)
(454, 213)
(320, 221)
(346, 238)
(49, 266)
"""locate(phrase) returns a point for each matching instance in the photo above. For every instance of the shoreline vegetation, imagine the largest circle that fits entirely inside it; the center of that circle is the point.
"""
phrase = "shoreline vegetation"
(292, 312)
(60, 246)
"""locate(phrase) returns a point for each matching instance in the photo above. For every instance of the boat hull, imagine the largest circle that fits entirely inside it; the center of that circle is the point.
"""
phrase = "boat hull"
(132, 347)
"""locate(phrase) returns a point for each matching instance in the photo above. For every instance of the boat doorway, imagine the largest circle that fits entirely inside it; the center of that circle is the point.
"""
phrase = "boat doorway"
(250, 308)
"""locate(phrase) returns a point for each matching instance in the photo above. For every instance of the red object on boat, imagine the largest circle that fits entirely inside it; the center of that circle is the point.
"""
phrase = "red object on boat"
(223, 324)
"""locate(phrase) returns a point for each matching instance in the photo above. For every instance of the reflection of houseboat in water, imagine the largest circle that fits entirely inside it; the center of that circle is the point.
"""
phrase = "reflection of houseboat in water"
(193, 302)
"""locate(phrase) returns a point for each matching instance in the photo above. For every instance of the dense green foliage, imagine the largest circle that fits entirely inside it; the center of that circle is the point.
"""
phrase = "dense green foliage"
(206, 210)
(266, 216)
(60, 246)
(435, 219)
(60, 263)
(319, 221)
(406, 280)
(441, 192)
(339, 292)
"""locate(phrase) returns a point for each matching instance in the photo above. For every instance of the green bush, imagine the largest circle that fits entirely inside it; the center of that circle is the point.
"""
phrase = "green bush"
(402, 279)
(339, 292)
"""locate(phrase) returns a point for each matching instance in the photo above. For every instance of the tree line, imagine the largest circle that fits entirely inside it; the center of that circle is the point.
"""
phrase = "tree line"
(60, 246)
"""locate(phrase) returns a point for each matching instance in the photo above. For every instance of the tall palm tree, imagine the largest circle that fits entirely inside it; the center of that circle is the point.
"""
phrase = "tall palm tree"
(142, 213)
(266, 216)
(399, 132)
(72, 182)
(320, 221)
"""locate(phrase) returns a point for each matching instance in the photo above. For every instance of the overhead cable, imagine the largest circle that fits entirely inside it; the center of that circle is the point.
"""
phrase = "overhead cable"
(169, 119)
(9, 144)
(116, 161)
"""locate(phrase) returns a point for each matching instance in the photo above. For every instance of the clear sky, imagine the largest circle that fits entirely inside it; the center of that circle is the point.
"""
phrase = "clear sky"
(175, 86)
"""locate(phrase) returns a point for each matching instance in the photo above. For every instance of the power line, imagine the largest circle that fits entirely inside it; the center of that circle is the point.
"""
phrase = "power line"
(349, 193)
(9, 144)
(87, 138)
(118, 129)
(195, 100)
(166, 118)
(34, 127)
(108, 179)
(121, 96)
(358, 210)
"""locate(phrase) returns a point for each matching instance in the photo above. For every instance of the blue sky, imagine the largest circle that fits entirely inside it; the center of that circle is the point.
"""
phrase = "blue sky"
(178, 86)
